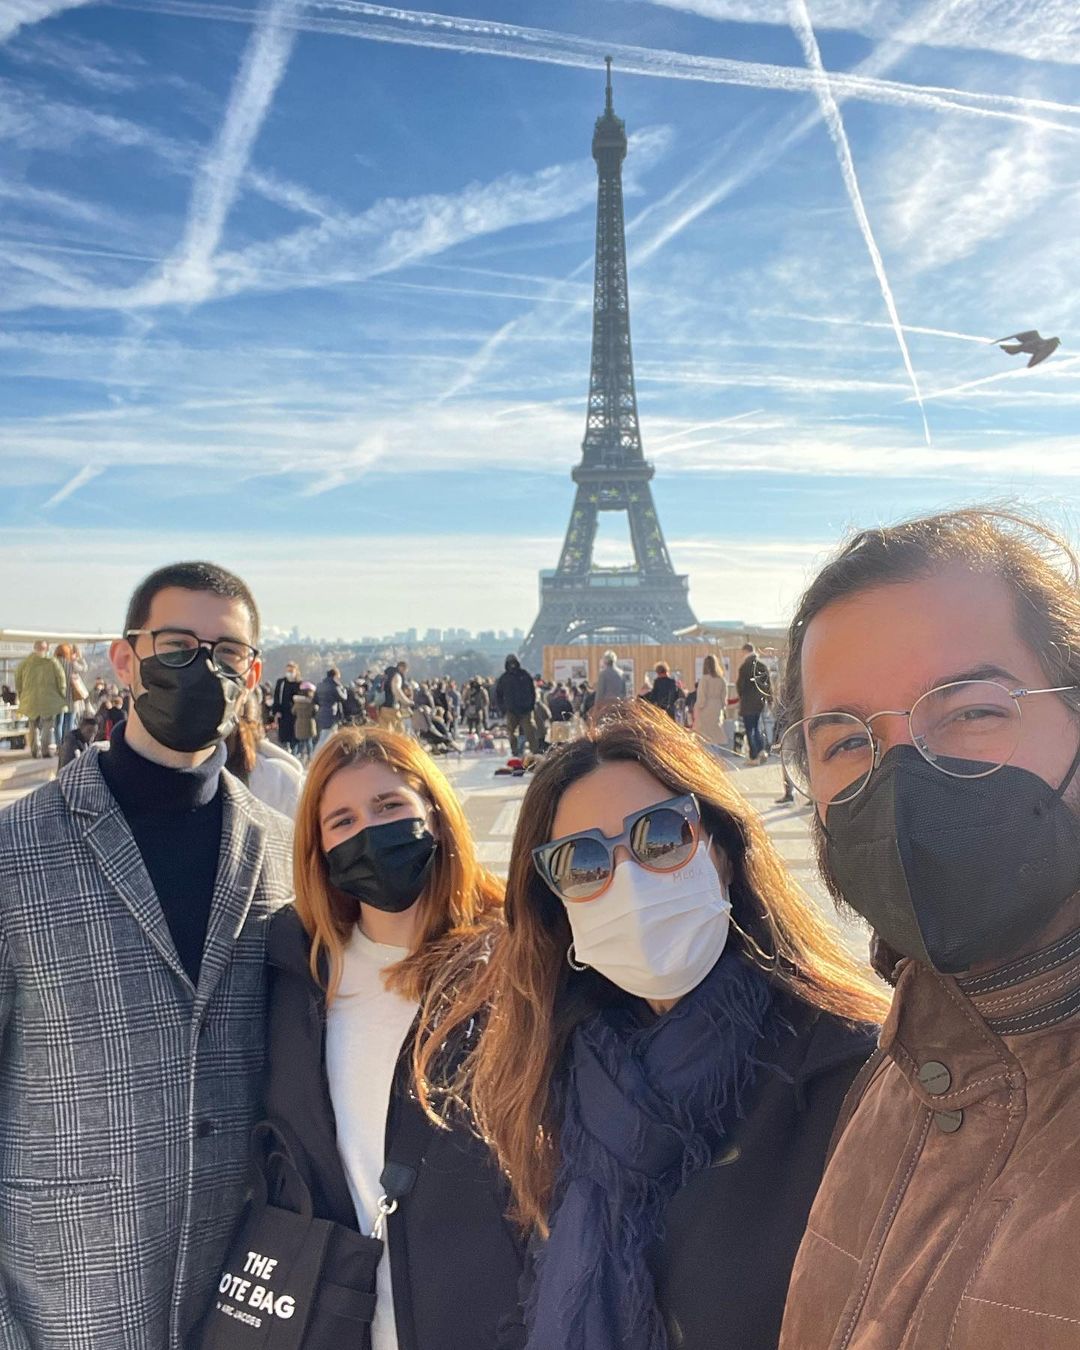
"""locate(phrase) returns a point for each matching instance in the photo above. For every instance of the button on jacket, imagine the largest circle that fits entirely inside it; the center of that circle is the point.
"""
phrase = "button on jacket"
(126, 1093)
(949, 1216)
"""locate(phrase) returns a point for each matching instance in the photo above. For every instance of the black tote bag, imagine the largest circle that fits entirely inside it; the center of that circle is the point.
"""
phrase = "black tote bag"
(291, 1281)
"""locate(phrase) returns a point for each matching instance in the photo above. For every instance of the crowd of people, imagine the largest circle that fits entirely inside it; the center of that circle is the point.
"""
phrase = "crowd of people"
(328, 1081)
(529, 712)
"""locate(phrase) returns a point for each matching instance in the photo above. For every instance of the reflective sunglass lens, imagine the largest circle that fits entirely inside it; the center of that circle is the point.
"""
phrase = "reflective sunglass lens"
(579, 868)
(662, 839)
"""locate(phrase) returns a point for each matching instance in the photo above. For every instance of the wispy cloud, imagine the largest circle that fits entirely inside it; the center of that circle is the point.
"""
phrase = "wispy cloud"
(804, 31)
(393, 234)
(94, 64)
(17, 14)
(36, 199)
(951, 194)
(382, 23)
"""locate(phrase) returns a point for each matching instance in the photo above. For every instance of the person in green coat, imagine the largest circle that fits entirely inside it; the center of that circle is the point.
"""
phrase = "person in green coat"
(41, 687)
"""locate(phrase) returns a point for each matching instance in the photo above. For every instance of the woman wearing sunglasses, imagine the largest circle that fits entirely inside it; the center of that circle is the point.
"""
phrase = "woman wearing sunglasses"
(393, 911)
(673, 1032)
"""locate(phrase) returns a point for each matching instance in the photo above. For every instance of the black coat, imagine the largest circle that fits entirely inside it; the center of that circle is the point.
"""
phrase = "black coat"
(455, 1260)
(664, 693)
(515, 691)
(284, 693)
(329, 703)
(722, 1266)
(753, 685)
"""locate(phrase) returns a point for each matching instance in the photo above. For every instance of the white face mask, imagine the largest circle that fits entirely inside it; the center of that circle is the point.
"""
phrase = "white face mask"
(655, 934)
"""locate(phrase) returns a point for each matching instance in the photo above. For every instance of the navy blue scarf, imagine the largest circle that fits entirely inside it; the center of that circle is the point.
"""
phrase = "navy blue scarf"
(644, 1108)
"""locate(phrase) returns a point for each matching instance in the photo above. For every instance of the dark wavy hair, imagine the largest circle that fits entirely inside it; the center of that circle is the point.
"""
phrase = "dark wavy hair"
(1034, 561)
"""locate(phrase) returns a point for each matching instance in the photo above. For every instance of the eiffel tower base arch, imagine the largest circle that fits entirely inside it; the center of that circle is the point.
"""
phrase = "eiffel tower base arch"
(582, 612)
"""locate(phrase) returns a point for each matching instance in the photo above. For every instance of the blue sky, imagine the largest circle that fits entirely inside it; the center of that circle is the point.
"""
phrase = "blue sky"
(306, 288)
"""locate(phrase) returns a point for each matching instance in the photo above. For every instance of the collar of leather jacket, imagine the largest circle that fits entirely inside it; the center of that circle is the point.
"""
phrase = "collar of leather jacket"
(958, 1039)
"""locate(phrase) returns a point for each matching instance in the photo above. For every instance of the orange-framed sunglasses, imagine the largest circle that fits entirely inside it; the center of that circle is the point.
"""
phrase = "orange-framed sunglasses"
(662, 838)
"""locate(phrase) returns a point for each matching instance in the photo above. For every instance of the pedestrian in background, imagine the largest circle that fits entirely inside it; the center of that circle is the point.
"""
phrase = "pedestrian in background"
(285, 691)
(329, 704)
(754, 689)
(41, 687)
(396, 704)
(610, 685)
(664, 693)
(81, 736)
(74, 668)
(305, 730)
(272, 774)
(515, 697)
(710, 706)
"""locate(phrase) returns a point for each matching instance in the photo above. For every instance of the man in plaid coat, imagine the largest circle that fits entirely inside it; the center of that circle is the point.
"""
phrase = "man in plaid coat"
(135, 893)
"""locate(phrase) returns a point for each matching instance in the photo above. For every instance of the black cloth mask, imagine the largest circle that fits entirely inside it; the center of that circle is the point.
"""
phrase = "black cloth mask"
(188, 708)
(954, 871)
(385, 866)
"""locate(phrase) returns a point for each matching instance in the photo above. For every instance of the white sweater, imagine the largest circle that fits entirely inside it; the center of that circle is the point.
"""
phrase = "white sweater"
(365, 1031)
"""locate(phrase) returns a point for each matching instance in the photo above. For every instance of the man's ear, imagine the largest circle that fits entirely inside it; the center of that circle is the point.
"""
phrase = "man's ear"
(123, 660)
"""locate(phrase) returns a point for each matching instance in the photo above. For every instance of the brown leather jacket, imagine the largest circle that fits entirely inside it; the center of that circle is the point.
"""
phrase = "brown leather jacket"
(949, 1216)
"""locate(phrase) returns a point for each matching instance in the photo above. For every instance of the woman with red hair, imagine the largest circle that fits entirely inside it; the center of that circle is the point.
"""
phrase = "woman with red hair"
(393, 911)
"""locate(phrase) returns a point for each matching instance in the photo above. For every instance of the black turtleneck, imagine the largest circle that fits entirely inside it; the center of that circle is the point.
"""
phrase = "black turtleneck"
(175, 816)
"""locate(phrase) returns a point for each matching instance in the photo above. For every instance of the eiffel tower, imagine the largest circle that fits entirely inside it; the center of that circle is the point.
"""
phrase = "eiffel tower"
(579, 601)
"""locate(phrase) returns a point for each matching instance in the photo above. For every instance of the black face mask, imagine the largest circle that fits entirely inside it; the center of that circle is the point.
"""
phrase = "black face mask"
(385, 866)
(954, 871)
(187, 708)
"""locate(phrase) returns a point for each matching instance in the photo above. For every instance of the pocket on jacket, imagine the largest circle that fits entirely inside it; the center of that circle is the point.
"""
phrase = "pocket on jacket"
(83, 1258)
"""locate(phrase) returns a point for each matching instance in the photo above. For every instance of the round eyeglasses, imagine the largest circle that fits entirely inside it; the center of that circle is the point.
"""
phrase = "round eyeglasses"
(178, 647)
(966, 729)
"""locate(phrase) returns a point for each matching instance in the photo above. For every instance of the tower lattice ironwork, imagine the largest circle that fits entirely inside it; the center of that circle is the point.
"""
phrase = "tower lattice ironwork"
(580, 601)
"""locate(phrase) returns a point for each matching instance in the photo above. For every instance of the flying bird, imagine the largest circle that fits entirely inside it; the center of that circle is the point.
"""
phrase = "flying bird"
(1031, 343)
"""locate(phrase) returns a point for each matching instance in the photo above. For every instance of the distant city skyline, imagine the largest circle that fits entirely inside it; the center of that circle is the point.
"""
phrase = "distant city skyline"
(307, 291)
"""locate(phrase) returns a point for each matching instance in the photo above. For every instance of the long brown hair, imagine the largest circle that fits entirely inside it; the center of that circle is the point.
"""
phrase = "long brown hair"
(459, 910)
(536, 1000)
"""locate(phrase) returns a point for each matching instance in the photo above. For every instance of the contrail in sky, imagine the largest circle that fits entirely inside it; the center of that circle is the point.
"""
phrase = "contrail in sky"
(418, 28)
(220, 175)
(804, 31)
(837, 321)
(1020, 372)
(85, 474)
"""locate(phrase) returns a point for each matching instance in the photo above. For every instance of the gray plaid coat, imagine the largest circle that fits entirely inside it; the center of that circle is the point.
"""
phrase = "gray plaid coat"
(126, 1094)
